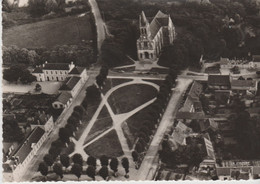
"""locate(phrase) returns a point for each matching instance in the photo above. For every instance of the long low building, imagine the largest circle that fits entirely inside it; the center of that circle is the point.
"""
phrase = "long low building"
(15, 166)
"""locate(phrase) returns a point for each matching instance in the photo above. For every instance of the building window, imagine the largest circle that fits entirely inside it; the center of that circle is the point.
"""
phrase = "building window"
(60, 72)
(46, 72)
(141, 55)
(56, 72)
(145, 44)
(51, 72)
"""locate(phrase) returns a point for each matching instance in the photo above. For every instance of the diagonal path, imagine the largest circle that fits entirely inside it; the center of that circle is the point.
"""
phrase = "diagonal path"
(117, 120)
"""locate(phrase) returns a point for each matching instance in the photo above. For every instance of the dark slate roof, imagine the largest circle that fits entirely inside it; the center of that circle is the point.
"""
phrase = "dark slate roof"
(64, 97)
(37, 70)
(190, 115)
(70, 83)
(24, 150)
(221, 80)
(56, 66)
(158, 21)
(243, 83)
(77, 70)
(256, 58)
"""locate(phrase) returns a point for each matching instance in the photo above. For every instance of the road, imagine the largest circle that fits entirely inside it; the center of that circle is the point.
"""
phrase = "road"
(166, 122)
(100, 25)
(61, 121)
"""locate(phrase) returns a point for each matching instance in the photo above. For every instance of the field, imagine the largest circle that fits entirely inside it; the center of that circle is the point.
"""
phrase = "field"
(108, 145)
(110, 83)
(130, 97)
(132, 125)
(48, 33)
(103, 122)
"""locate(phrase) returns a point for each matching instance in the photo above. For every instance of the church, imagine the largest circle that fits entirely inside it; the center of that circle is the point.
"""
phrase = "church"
(154, 36)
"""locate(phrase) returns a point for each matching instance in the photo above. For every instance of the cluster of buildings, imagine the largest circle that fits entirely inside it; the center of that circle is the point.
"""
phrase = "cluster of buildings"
(73, 78)
(37, 124)
(193, 122)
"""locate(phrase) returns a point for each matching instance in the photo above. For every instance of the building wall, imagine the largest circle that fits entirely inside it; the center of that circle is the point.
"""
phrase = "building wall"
(55, 75)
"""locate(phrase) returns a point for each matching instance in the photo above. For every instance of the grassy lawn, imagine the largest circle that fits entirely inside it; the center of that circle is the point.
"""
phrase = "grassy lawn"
(158, 82)
(92, 107)
(108, 145)
(104, 122)
(132, 125)
(110, 83)
(130, 97)
(48, 33)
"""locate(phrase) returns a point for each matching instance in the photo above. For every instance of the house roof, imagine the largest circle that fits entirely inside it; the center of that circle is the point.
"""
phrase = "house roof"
(220, 80)
(243, 83)
(210, 123)
(190, 115)
(64, 97)
(209, 148)
(195, 90)
(70, 83)
(24, 150)
(256, 58)
(56, 66)
(77, 70)
(37, 70)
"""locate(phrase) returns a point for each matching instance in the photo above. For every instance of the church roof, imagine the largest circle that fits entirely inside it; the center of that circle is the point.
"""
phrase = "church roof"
(70, 83)
(64, 97)
(37, 70)
(158, 21)
(56, 66)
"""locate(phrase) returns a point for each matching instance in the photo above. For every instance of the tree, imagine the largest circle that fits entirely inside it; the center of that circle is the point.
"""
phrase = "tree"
(64, 135)
(12, 74)
(37, 8)
(139, 148)
(26, 77)
(92, 93)
(144, 136)
(43, 168)
(92, 161)
(104, 71)
(74, 121)
(114, 165)
(71, 128)
(76, 115)
(85, 103)
(57, 168)
(103, 172)
(91, 172)
(55, 151)
(77, 159)
(100, 80)
(65, 160)
(48, 159)
(79, 109)
(135, 156)
(76, 169)
(11, 131)
(125, 164)
(145, 129)
(104, 160)
(38, 87)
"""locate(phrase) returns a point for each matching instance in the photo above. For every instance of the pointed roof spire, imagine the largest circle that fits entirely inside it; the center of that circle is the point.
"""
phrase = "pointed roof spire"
(143, 19)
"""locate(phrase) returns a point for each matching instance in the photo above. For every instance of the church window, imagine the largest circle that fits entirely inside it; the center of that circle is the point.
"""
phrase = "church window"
(151, 55)
(145, 31)
(141, 55)
(145, 44)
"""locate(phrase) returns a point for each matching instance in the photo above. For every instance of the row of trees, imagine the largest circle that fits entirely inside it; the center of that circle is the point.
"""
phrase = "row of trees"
(18, 73)
(152, 119)
(77, 167)
(82, 55)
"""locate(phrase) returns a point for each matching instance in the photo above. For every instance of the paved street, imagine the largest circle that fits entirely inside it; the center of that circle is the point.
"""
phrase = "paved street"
(100, 25)
(61, 121)
(167, 121)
